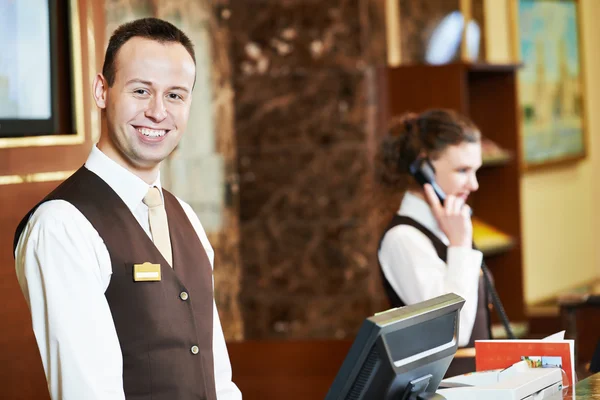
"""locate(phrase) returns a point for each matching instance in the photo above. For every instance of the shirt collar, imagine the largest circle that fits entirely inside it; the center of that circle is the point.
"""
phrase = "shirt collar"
(418, 209)
(128, 186)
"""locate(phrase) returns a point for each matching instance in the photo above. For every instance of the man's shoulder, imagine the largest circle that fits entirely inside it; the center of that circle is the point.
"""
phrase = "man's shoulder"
(186, 207)
(55, 215)
(192, 216)
(189, 211)
(197, 225)
(54, 219)
(53, 211)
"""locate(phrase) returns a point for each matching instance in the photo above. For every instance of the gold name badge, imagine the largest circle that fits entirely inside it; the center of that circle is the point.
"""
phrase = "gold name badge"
(146, 272)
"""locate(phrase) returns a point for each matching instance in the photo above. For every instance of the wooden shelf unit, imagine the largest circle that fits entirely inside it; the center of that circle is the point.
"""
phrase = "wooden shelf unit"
(487, 93)
(493, 161)
(490, 240)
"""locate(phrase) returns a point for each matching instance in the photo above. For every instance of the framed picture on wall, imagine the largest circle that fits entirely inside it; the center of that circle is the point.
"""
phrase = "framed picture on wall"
(34, 68)
(551, 89)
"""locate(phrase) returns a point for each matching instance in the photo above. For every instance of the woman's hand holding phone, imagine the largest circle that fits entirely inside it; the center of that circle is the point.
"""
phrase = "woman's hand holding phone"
(454, 217)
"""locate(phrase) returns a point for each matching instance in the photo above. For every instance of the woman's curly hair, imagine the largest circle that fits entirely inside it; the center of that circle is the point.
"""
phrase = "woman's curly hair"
(411, 135)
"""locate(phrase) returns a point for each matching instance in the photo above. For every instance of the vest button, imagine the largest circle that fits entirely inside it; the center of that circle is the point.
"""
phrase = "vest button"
(195, 349)
(183, 296)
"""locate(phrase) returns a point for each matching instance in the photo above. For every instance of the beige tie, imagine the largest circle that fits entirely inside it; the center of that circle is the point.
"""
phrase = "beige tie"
(157, 215)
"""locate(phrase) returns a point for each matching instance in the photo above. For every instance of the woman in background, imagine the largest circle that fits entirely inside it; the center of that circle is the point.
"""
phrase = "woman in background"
(427, 249)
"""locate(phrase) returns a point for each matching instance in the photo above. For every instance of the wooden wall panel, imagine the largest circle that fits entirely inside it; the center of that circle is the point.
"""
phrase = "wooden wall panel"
(21, 372)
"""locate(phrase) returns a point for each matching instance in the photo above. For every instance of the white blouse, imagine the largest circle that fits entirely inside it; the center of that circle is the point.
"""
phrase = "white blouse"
(411, 264)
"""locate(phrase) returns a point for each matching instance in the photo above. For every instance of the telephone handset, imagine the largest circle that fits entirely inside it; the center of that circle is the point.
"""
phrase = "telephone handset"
(423, 171)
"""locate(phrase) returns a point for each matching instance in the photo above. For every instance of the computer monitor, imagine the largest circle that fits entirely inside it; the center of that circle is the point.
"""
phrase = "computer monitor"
(402, 353)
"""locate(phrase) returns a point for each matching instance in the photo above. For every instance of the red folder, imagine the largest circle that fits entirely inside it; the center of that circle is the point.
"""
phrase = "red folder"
(500, 354)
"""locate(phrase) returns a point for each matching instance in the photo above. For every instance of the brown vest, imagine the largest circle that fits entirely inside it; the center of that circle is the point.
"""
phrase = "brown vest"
(157, 324)
(481, 327)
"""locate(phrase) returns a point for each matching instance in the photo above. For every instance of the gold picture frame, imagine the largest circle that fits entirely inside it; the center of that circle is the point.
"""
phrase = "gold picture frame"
(78, 83)
(545, 145)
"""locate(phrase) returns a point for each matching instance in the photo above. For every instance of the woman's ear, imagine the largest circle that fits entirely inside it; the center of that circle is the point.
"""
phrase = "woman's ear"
(422, 154)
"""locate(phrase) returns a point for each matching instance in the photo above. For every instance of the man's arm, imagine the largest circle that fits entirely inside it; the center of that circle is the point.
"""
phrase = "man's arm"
(226, 389)
(63, 268)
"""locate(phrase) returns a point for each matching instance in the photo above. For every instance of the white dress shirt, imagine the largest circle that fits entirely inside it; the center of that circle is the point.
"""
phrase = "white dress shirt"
(64, 269)
(411, 264)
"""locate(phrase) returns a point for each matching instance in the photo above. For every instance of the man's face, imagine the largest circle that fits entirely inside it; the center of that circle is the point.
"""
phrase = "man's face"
(147, 107)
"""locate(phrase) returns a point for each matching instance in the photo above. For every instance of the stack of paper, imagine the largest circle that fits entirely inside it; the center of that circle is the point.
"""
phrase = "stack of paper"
(551, 352)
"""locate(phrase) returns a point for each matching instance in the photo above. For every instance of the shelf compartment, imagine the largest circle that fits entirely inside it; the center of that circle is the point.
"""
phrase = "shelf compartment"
(489, 239)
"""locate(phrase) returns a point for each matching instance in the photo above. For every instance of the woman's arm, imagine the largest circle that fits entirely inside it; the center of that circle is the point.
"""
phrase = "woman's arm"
(412, 267)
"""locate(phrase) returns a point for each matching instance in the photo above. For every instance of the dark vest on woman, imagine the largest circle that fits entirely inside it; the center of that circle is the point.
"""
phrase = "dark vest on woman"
(165, 328)
(481, 327)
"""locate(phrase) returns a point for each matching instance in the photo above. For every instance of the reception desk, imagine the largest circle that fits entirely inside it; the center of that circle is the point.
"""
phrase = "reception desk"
(587, 389)
(287, 369)
(290, 369)
(305, 370)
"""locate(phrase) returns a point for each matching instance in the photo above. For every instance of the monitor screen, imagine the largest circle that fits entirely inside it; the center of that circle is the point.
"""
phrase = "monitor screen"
(401, 353)
(28, 67)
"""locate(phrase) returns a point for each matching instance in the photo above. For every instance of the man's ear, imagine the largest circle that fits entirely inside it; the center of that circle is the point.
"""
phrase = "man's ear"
(100, 90)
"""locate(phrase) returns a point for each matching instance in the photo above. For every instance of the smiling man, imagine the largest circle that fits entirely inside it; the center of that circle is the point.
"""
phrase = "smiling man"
(117, 272)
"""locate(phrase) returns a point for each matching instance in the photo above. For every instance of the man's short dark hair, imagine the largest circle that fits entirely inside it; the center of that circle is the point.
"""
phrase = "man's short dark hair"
(147, 28)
